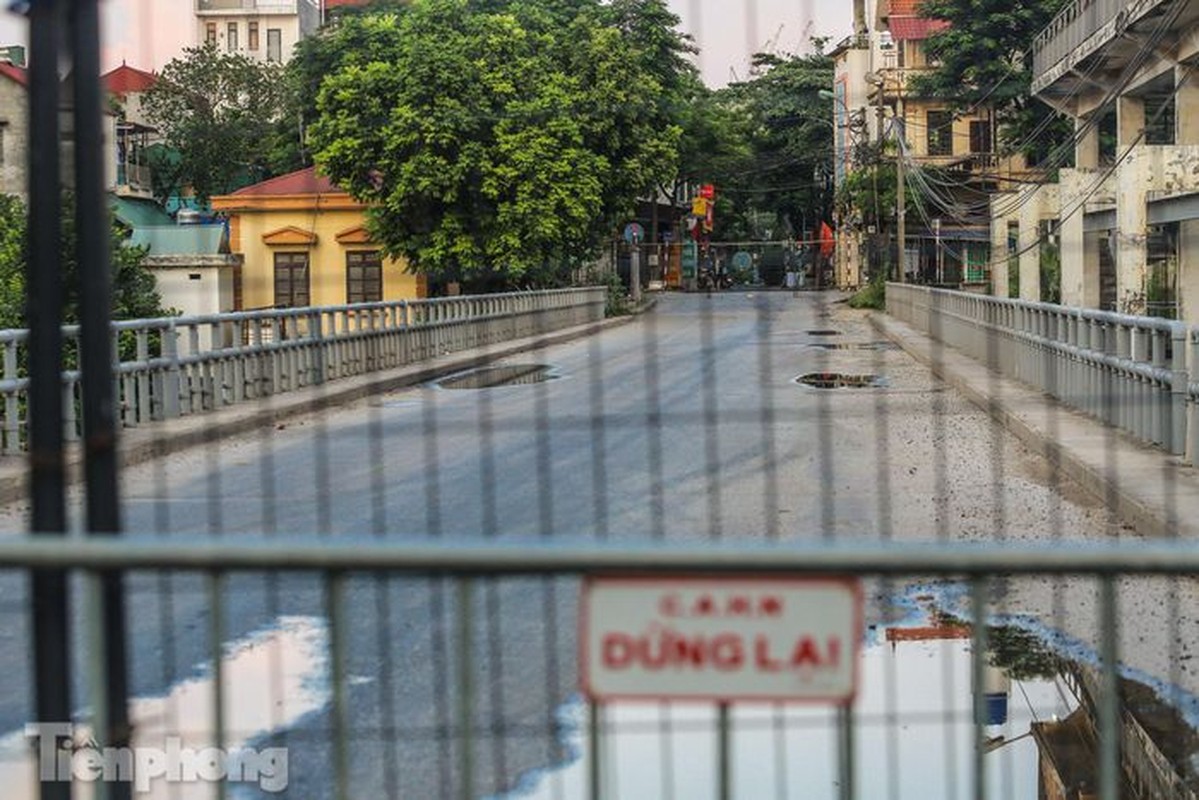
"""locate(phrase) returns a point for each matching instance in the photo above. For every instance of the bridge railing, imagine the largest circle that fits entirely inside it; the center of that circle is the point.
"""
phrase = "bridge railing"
(175, 366)
(1130, 372)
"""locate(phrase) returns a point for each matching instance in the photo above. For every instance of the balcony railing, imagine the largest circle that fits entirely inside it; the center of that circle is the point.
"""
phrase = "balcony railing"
(1076, 23)
(136, 176)
(248, 6)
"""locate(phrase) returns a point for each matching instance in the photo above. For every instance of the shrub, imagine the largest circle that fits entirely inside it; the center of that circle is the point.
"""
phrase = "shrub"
(872, 295)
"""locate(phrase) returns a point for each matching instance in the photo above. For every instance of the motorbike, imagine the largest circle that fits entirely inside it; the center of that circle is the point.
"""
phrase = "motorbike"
(708, 280)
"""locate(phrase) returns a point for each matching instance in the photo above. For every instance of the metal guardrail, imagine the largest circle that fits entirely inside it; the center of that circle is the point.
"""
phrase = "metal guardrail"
(1069, 29)
(177, 366)
(1130, 372)
(472, 566)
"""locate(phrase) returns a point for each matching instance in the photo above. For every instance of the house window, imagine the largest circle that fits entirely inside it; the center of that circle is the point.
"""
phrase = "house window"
(364, 277)
(940, 133)
(980, 136)
(291, 280)
(231, 39)
(210, 33)
(252, 36)
(274, 44)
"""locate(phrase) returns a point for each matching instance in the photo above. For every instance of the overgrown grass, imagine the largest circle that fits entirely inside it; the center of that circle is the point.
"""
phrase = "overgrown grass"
(872, 295)
(617, 303)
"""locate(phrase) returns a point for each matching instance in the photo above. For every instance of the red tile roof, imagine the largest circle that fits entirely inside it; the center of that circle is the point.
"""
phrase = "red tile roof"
(909, 29)
(18, 74)
(304, 181)
(125, 79)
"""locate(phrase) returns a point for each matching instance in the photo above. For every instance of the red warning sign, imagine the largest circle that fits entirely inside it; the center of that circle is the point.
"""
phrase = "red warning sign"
(721, 639)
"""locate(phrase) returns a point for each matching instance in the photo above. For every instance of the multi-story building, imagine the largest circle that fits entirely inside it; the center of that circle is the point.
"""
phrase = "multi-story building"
(14, 127)
(1124, 220)
(266, 30)
(126, 86)
(949, 157)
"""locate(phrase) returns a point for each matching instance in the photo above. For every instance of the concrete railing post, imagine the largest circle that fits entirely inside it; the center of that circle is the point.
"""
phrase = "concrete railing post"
(1179, 389)
(169, 399)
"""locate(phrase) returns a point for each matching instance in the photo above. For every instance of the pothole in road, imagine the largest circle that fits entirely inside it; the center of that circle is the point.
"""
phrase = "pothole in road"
(855, 345)
(838, 380)
(824, 332)
(492, 377)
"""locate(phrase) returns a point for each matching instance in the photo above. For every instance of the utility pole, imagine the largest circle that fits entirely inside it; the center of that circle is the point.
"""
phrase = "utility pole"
(901, 205)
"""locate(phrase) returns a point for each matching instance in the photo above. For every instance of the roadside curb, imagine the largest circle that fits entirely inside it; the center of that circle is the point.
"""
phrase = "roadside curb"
(158, 439)
(1148, 489)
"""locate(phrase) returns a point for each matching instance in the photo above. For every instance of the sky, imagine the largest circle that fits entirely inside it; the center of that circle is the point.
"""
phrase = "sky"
(147, 33)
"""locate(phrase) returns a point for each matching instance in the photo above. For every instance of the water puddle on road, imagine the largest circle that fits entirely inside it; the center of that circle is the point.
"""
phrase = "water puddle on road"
(913, 733)
(840, 380)
(854, 345)
(272, 678)
(505, 375)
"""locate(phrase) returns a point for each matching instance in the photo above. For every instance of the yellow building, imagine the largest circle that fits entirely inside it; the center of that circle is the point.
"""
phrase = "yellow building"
(305, 243)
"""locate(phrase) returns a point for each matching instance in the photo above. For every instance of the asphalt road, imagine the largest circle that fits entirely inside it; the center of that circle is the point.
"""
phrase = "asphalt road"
(685, 425)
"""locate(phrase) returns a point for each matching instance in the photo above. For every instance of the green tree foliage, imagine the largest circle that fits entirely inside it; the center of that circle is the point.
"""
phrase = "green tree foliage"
(499, 141)
(215, 110)
(786, 167)
(985, 56)
(134, 295)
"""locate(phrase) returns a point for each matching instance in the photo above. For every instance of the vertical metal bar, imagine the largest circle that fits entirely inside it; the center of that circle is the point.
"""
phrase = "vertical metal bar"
(49, 599)
(978, 664)
(216, 638)
(335, 600)
(466, 787)
(97, 667)
(96, 356)
(724, 775)
(1109, 696)
(845, 730)
(595, 771)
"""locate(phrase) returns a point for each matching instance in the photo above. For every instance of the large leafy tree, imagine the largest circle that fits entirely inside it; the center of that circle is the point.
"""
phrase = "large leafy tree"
(498, 141)
(215, 111)
(985, 57)
(134, 295)
(786, 176)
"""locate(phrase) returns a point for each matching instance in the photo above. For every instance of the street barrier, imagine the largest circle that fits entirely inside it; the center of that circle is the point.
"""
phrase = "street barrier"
(476, 733)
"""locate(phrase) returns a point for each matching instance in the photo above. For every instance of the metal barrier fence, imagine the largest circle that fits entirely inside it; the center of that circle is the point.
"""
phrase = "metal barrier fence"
(1120, 757)
(1131, 372)
(176, 366)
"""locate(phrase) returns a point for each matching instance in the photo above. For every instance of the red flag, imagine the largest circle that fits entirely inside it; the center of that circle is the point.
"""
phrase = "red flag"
(827, 243)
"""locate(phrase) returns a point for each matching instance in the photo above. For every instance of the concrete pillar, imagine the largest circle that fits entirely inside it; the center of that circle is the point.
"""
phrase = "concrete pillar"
(1130, 120)
(1073, 252)
(999, 251)
(1086, 149)
(1090, 269)
(1030, 253)
(1132, 182)
(1186, 107)
(1188, 271)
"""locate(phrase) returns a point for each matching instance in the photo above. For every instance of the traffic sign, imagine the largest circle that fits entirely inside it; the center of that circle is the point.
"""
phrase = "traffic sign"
(742, 260)
(690, 259)
(721, 639)
(634, 233)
